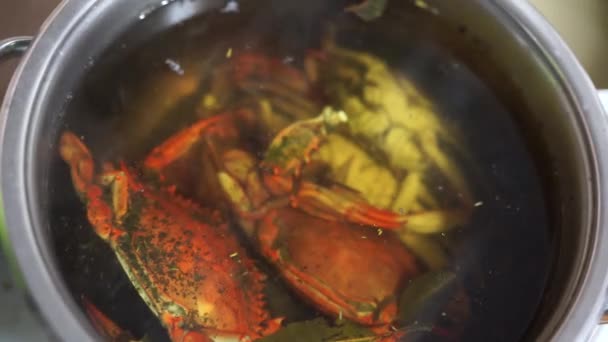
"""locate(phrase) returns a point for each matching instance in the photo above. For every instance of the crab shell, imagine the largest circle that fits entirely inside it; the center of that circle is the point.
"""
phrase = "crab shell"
(188, 267)
(391, 117)
(344, 269)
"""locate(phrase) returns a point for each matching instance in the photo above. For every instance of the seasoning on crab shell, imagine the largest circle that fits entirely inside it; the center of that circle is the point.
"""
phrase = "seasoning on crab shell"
(180, 265)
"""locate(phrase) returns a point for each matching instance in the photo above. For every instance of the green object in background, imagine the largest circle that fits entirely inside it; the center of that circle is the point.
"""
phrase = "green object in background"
(6, 248)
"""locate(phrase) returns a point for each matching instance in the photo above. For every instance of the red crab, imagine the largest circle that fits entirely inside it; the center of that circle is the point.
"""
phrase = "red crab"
(184, 262)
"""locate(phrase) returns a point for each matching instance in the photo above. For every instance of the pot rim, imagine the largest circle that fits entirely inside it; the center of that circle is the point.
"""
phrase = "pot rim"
(49, 290)
(585, 309)
(42, 278)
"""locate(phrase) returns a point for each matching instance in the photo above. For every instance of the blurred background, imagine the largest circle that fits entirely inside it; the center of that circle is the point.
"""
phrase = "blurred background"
(583, 24)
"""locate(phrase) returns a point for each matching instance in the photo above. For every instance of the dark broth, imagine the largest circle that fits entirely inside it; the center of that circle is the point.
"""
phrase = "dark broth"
(138, 95)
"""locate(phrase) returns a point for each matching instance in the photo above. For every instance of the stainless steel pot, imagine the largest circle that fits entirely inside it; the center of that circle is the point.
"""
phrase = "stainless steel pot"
(514, 38)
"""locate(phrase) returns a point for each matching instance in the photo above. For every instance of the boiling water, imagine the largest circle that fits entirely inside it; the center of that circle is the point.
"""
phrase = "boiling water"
(138, 95)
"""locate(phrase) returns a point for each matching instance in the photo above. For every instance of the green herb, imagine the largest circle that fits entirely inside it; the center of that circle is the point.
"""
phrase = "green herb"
(369, 10)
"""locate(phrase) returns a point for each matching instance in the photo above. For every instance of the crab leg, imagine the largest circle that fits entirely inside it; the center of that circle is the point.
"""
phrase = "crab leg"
(218, 126)
(104, 325)
(112, 332)
(293, 146)
(339, 203)
(437, 221)
(99, 213)
(79, 159)
(120, 192)
(428, 221)
(323, 294)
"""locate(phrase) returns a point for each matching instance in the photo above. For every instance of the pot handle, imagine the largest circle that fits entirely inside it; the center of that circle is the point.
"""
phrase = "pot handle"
(14, 46)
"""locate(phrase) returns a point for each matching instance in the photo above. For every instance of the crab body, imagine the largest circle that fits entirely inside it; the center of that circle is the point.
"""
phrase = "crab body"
(345, 270)
(183, 261)
(397, 124)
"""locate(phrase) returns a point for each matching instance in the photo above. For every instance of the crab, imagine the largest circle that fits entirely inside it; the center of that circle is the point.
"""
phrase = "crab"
(393, 151)
(398, 125)
(327, 242)
(388, 117)
(184, 262)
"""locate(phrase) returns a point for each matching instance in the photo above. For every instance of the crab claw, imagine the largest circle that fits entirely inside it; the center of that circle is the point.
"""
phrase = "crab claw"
(104, 325)
(82, 166)
(293, 146)
(179, 144)
(80, 160)
(223, 127)
(340, 203)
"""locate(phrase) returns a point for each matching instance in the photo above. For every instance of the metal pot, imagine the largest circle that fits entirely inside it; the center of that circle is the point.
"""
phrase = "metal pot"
(511, 36)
